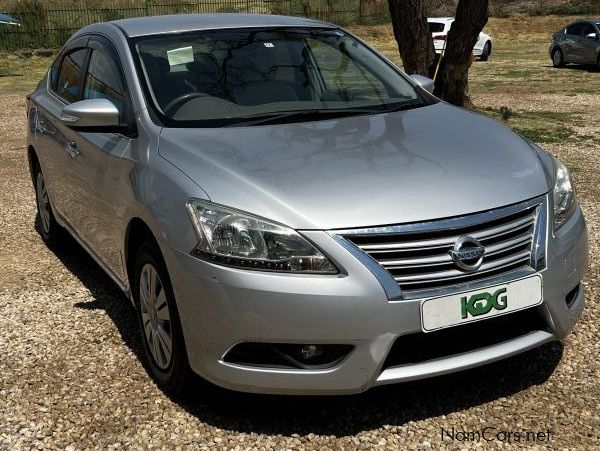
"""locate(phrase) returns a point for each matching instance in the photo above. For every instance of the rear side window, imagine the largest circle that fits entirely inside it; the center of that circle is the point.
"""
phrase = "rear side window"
(104, 80)
(68, 85)
(436, 27)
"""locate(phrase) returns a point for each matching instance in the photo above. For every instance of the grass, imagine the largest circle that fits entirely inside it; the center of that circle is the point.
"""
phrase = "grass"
(576, 91)
(21, 75)
(518, 73)
(574, 164)
(533, 116)
(556, 134)
(542, 126)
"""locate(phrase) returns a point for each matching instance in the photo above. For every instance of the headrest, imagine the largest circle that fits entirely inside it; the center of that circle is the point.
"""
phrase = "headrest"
(204, 63)
(155, 65)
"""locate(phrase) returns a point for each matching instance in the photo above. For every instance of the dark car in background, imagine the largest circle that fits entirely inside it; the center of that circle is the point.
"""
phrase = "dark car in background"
(579, 43)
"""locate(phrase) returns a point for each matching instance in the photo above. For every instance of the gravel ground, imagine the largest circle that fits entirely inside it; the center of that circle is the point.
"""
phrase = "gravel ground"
(70, 361)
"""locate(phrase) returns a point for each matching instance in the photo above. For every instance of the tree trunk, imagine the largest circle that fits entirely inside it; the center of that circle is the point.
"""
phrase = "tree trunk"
(451, 83)
(413, 37)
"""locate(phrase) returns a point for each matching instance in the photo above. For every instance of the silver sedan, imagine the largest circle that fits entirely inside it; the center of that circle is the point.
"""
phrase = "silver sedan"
(288, 212)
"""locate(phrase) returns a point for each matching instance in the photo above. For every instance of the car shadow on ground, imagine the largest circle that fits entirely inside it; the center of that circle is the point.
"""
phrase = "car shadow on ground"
(578, 67)
(393, 405)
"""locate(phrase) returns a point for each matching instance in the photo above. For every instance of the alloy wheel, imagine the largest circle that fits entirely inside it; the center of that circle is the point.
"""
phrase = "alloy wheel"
(43, 203)
(487, 51)
(156, 319)
(557, 58)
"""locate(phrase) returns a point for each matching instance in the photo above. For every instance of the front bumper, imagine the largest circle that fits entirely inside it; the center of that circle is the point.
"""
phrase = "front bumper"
(221, 307)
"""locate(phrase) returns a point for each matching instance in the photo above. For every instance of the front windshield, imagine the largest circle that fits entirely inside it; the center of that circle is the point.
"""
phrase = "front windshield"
(222, 77)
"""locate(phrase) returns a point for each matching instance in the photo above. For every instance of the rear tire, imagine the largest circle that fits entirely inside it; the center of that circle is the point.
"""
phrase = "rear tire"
(558, 59)
(49, 229)
(486, 52)
(158, 319)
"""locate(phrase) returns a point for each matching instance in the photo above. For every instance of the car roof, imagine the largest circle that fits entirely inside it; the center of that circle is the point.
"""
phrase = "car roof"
(591, 21)
(440, 19)
(150, 25)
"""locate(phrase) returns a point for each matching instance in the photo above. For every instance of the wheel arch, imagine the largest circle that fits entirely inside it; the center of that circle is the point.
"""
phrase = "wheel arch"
(33, 161)
(137, 233)
(557, 47)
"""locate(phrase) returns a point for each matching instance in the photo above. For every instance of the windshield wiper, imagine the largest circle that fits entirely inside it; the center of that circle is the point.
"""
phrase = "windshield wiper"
(307, 115)
(321, 113)
(405, 106)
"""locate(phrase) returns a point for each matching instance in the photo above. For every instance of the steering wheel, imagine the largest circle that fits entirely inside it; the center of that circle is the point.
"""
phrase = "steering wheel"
(183, 98)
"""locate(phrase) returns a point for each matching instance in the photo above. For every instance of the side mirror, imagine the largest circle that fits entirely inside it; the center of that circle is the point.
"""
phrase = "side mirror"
(92, 113)
(592, 36)
(424, 82)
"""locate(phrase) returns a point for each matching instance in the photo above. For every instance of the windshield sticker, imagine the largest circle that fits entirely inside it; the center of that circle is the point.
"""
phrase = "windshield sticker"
(181, 55)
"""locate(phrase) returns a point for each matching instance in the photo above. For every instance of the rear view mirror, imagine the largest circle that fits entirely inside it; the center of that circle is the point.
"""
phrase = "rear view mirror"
(424, 82)
(93, 113)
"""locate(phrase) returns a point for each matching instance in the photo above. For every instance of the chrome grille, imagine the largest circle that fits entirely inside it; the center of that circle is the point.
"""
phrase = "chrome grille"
(418, 255)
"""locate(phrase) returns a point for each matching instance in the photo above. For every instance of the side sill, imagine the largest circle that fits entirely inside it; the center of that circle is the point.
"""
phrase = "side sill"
(122, 286)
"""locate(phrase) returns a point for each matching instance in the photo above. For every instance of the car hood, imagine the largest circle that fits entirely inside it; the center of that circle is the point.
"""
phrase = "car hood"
(427, 163)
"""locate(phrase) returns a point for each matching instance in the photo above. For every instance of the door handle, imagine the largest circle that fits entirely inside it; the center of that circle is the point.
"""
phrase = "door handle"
(41, 126)
(72, 149)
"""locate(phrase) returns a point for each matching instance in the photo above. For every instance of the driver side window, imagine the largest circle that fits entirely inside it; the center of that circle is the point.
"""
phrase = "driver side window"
(104, 81)
(68, 83)
(587, 30)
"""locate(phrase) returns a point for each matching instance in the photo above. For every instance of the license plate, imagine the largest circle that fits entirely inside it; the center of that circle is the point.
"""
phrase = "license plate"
(476, 305)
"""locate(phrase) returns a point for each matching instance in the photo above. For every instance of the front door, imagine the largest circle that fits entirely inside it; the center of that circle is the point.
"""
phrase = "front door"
(53, 138)
(102, 164)
(589, 43)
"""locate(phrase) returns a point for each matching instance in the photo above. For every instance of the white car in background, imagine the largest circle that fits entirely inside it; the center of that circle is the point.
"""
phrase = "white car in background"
(439, 28)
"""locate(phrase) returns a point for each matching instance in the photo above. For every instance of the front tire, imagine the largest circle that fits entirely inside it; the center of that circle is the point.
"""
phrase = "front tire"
(159, 323)
(48, 227)
(487, 51)
(558, 59)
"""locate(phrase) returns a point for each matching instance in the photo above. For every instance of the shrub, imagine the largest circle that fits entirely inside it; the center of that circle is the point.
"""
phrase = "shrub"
(32, 15)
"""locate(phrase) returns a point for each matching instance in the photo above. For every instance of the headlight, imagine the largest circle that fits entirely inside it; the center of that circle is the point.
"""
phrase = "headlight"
(234, 238)
(563, 194)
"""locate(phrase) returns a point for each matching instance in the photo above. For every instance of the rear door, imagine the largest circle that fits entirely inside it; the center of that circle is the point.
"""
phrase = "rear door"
(101, 163)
